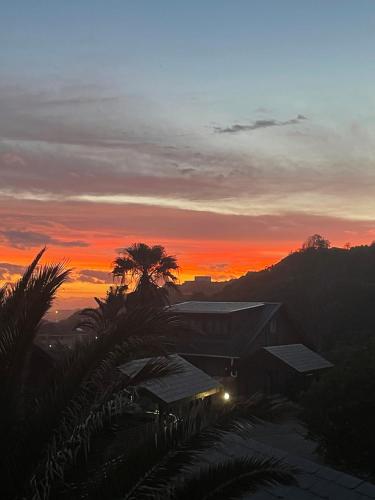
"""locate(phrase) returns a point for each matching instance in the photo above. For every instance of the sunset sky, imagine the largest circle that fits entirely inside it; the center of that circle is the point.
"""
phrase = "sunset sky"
(227, 131)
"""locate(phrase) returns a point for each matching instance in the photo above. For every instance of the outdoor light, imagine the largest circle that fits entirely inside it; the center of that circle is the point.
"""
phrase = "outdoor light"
(226, 396)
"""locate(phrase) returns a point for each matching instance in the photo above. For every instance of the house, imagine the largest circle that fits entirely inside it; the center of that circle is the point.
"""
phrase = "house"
(182, 390)
(225, 332)
(226, 335)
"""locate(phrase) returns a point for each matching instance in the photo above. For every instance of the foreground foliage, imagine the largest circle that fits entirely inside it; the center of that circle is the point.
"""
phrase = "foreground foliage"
(57, 407)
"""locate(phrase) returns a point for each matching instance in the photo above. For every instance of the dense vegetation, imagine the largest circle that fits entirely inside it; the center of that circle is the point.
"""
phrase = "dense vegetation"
(68, 423)
(329, 292)
(340, 410)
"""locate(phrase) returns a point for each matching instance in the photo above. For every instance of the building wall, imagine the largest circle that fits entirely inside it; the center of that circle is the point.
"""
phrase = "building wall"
(214, 366)
(212, 324)
(263, 372)
(278, 331)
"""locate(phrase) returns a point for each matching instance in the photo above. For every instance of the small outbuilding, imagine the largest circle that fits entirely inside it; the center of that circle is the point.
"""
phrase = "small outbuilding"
(185, 389)
(282, 369)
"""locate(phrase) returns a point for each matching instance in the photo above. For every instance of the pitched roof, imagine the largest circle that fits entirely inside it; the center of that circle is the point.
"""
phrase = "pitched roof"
(201, 307)
(189, 382)
(299, 357)
(235, 344)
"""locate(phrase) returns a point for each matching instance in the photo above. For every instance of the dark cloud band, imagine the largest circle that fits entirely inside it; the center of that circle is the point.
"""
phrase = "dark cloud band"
(259, 124)
(29, 239)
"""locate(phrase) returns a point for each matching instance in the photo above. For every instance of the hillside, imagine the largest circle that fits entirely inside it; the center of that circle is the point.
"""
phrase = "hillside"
(329, 292)
(65, 326)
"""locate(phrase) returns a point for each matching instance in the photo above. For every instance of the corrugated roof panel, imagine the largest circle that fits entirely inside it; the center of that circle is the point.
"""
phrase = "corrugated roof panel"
(299, 357)
(187, 383)
(201, 307)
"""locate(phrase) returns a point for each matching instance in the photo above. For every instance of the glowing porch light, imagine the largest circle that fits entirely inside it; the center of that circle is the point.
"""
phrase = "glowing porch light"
(226, 396)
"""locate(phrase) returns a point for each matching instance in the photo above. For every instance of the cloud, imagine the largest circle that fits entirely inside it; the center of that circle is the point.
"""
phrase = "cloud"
(106, 228)
(7, 270)
(219, 267)
(259, 124)
(68, 156)
(188, 170)
(13, 160)
(94, 276)
(29, 239)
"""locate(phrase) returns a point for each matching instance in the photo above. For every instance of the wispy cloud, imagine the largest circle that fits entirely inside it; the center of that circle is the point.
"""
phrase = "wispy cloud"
(68, 161)
(259, 124)
(29, 239)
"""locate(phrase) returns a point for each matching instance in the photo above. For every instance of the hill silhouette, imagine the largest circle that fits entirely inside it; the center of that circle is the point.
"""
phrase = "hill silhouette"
(329, 292)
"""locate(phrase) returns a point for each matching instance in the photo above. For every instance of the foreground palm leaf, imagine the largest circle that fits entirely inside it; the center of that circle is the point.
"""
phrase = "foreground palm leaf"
(233, 478)
(45, 430)
(149, 475)
(22, 308)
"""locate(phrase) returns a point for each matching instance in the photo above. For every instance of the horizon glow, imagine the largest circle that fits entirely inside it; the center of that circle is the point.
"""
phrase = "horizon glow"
(226, 132)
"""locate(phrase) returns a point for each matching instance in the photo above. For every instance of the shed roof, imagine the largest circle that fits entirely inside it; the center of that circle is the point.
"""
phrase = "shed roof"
(201, 307)
(299, 357)
(189, 382)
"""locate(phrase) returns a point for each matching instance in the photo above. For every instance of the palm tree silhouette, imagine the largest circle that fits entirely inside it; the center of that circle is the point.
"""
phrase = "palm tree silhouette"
(148, 271)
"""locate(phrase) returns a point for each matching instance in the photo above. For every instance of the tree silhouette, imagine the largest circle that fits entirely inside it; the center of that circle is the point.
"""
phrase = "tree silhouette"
(148, 271)
(316, 242)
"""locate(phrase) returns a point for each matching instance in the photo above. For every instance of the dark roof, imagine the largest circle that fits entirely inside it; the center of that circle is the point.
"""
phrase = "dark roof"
(315, 481)
(299, 357)
(189, 382)
(201, 307)
(235, 344)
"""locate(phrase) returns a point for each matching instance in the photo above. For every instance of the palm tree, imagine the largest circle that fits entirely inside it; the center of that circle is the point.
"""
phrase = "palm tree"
(22, 307)
(44, 431)
(47, 433)
(108, 312)
(149, 271)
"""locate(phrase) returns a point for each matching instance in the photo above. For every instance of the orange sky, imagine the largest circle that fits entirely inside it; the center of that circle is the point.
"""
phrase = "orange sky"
(129, 124)
(88, 234)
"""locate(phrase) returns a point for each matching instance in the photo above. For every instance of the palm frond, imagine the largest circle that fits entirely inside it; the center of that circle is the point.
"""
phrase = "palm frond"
(87, 410)
(145, 477)
(138, 474)
(231, 479)
(147, 269)
(22, 309)
(14, 294)
(238, 419)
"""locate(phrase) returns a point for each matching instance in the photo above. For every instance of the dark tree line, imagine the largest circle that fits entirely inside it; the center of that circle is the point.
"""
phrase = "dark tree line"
(329, 292)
